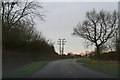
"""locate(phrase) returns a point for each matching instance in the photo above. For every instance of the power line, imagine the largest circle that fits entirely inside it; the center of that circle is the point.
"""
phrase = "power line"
(61, 43)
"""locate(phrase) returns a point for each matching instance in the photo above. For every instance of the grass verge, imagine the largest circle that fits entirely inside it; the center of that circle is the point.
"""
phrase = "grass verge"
(26, 69)
(109, 67)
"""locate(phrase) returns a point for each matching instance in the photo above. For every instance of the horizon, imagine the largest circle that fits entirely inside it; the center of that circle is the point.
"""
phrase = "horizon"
(62, 17)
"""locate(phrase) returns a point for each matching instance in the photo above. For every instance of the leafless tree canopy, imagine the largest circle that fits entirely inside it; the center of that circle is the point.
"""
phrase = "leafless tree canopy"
(18, 26)
(98, 27)
(14, 11)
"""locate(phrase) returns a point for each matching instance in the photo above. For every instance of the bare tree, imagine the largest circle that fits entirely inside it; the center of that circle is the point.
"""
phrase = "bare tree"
(14, 11)
(111, 45)
(98, 28)
(17, 13)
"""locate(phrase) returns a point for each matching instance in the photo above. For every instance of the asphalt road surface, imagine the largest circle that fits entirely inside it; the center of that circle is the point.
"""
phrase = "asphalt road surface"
(67, 68)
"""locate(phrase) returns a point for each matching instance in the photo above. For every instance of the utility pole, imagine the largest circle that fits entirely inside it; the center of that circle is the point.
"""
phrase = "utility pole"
(61, 43)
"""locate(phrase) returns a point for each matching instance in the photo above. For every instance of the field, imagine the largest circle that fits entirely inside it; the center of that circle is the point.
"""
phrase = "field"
(109, 67)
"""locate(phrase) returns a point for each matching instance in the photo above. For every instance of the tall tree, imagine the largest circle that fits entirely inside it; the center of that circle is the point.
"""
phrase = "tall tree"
(111, 44)
(98, 27)
(14, 11)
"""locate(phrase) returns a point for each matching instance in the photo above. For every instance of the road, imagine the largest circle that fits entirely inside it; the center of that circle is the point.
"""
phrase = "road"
(67, 68)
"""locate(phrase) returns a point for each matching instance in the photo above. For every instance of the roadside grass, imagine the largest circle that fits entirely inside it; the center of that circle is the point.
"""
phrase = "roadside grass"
(28, 69)
(109, 67)
(25, 70)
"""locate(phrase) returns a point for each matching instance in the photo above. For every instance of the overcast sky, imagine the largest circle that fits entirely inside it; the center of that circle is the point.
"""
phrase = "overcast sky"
(62, 17)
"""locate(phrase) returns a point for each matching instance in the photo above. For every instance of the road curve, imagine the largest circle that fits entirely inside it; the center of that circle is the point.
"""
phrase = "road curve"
(67, 68)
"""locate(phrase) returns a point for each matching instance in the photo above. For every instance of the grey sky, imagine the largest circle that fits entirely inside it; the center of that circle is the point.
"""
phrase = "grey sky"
(62, 17)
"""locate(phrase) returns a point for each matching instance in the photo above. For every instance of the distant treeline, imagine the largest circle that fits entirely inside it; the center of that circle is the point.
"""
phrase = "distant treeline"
(112, 55)
(109, 56)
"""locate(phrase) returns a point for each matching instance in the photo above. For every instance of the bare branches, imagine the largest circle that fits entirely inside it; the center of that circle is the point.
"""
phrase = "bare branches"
(98, 27)
(13, 12)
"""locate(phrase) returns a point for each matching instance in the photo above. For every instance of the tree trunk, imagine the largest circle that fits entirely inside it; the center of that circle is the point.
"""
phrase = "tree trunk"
(97, 52)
